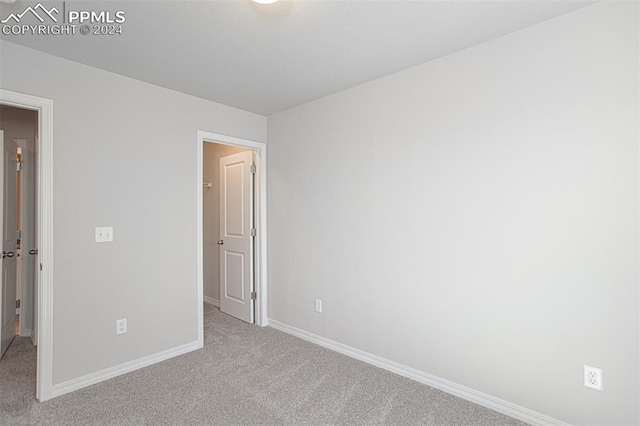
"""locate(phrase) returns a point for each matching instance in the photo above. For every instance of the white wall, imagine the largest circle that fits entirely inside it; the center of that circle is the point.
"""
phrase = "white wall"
(476, 217)
(124, 156)
(211, 155)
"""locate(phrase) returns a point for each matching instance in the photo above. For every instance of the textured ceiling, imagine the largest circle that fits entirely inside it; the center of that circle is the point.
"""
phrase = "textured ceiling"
(268, 58)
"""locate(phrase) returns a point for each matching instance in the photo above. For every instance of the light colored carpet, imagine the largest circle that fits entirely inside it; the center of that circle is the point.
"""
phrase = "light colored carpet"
(244, 375)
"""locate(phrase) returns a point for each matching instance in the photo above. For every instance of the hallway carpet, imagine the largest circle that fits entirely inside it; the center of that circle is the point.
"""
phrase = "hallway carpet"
(244, 375)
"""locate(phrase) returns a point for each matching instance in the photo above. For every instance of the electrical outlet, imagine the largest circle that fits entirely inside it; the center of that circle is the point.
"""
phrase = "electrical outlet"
(319, 305)
(121, 326)
(104, 234)
(593, 377)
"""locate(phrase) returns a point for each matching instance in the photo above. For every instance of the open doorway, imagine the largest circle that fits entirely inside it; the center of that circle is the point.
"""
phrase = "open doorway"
(214, 170)
(232, 227)
(35, 248)
(18, 297)
(19, 128)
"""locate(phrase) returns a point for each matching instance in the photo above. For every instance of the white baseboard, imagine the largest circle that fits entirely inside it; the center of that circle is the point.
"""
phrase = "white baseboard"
(488, 401)
(127, 367)
(212, 301)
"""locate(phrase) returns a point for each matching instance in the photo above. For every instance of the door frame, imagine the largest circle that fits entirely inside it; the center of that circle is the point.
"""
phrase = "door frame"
(260, 148)
(44, 224)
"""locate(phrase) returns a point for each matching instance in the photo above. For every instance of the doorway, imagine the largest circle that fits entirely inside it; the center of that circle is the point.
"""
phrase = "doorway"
(237, 157)
(225, 167)
(40, 241)
(18, 128)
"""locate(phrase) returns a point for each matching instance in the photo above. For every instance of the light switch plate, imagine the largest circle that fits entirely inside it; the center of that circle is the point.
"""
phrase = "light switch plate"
(104, 234)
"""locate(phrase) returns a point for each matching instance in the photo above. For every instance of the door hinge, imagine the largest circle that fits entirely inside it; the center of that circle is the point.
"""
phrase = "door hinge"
(18, 304)
(18, 165)
(253, 168)
(254, 295)
(254, 232)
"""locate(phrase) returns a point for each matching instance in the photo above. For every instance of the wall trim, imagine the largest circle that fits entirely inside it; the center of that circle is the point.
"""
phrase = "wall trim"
(118, 370)
(212, 301)
(482, 399)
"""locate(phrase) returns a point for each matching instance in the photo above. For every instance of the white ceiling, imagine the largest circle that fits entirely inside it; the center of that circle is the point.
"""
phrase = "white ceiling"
(266, 59)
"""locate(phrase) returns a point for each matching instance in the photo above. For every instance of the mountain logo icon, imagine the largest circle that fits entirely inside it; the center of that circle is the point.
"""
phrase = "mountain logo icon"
(34, 11)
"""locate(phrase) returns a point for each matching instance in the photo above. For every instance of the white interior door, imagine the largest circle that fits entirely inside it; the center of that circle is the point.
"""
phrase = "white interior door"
(9, 242)
(28, 243)
(236, 242)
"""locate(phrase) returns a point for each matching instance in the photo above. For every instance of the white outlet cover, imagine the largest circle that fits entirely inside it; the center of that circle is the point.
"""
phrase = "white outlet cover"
(121, 326)
(593, 377)
(318, 305)
(104, 234)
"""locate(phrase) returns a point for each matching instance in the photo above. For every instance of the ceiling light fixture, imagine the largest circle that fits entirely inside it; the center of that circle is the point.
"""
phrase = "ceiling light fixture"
(265, 1)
